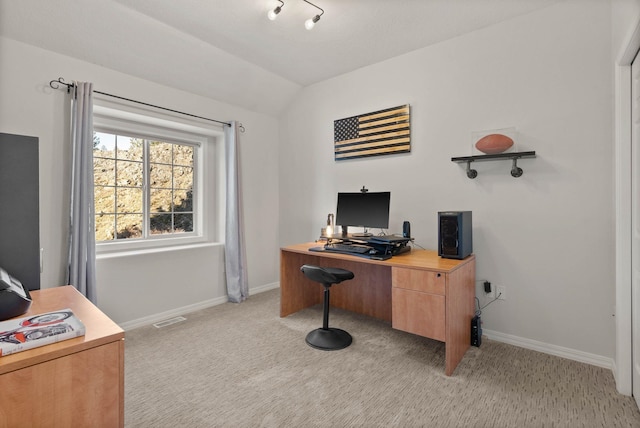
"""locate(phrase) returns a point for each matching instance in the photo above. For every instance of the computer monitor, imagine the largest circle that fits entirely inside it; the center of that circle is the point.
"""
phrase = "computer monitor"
(363, 209)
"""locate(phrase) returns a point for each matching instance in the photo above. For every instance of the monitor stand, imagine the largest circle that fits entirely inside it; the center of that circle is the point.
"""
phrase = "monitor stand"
(346, 234)
(362, 235)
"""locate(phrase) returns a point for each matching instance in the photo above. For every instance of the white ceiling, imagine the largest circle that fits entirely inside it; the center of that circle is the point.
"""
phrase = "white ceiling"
(229, 50)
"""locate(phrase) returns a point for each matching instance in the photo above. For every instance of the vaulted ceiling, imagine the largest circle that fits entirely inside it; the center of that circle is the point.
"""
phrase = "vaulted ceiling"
(229, 50)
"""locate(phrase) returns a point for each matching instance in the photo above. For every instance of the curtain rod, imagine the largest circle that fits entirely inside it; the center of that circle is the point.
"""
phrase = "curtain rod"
(55, 84)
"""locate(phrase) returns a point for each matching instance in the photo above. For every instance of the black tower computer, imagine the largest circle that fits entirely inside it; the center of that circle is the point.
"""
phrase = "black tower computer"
(455, 239)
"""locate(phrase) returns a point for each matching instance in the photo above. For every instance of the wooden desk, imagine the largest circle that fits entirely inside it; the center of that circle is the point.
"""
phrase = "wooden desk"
(74, 383)
(418, 292)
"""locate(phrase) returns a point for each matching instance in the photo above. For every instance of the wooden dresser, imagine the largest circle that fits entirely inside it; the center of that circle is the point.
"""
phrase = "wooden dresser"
(74, 383)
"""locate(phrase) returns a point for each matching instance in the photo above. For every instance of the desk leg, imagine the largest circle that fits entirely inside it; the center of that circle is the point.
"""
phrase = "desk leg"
(460, 309)
(296, 291)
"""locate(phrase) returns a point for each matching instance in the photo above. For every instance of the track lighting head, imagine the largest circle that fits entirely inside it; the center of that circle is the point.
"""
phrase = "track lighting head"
(273, 14)
(311, 22)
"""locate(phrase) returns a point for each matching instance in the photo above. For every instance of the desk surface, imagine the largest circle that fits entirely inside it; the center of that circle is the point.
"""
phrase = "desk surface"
(100, 329)
(414, 259)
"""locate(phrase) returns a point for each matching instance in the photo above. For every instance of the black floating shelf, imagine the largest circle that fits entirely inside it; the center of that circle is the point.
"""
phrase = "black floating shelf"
(514, 156)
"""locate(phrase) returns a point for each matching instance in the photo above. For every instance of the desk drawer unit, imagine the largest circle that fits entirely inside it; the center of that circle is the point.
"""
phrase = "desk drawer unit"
(418, 302)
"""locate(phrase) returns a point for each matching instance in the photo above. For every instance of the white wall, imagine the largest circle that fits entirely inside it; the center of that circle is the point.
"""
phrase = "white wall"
(547, 236)
(139, 286)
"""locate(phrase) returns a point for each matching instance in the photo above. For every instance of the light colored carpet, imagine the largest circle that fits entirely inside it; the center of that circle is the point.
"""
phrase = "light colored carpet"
(241, 365)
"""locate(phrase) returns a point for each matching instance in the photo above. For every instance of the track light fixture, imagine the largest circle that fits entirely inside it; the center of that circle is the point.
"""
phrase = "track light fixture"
(311, 22)
(273, 14)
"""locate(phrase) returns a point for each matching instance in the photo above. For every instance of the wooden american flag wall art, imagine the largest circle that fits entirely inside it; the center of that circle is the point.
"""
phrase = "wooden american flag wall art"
(379, 133)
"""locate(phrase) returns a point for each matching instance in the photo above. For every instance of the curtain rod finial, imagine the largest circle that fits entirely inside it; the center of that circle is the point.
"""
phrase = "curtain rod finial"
(55, 84)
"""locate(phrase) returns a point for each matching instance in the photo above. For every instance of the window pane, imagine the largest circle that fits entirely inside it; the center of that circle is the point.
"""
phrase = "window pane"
(129, 173)
(183, 223)
(160, 223)
(183, 200)
(129, 226)
(182, 177)
(129, 148)
(183, 155)
(129, 200)
(104, 145)
(104, 171)
(160, 152)
(160, 176)
(105, 199)
(160, 200)
(105, 225)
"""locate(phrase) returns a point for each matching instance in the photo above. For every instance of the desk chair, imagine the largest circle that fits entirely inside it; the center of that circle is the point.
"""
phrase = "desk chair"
(325, 338)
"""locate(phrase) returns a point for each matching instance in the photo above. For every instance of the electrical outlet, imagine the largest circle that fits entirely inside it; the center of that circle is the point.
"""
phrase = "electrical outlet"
(502, 295)
(492, 294)
(484, 285)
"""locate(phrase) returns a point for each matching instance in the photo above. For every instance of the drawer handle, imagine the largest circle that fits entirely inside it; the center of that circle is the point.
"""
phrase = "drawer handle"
(439, 275)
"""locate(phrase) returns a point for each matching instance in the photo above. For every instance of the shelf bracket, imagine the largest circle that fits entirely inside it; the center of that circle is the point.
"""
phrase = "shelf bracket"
(471, 173)
(515, 170)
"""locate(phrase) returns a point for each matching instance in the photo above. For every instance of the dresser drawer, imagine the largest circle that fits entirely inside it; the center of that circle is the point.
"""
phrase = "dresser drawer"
(419, 313)
(418, 280)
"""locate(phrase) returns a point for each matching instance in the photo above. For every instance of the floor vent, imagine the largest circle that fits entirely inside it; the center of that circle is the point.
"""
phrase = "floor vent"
(170, 321)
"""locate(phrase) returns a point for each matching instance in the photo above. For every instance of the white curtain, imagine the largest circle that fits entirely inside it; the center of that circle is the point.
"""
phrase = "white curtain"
(235, 255)
(81, 271)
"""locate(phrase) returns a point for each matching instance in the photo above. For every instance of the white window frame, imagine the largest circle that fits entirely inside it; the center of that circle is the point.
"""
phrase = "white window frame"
(208, 169)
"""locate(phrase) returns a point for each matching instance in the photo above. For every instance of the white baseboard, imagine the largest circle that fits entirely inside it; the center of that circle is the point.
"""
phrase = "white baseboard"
(151, 319)
(264, 288)
(559, 351)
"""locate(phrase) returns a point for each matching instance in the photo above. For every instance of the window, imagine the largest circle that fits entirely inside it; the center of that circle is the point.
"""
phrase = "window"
(158, 180)
(143, 187)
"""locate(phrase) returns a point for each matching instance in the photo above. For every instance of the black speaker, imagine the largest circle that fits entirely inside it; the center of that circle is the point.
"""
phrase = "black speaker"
(454, 234)
(406, 229)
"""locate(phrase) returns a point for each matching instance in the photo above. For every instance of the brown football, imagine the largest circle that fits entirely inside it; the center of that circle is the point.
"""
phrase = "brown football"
(494, 143)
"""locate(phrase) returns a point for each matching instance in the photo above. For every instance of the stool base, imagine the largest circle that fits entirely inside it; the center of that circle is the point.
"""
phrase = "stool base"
(330, 339)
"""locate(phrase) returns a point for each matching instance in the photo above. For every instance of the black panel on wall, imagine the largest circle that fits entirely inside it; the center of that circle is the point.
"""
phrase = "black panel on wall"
(20, 209)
